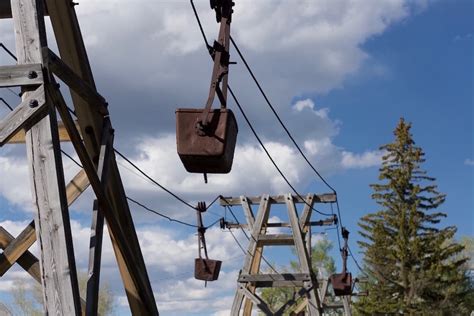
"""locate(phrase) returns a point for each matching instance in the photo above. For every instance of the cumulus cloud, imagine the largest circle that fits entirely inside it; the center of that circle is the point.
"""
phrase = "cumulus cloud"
(359, 161)
(148, 58)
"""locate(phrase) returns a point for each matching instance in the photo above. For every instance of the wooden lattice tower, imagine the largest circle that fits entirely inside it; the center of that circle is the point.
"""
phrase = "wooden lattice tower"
(34, 122)
(251, 277)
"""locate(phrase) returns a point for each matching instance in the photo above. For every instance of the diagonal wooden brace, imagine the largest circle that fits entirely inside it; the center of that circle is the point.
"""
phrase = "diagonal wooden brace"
(30, 111)
(19, 246)
(74, 82)
(27, 260)
(255, 299)
(126, 253)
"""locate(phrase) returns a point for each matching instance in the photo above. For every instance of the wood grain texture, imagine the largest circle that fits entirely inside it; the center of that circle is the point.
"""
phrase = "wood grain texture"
(23, 115)
(74, 82)
(27, 261)
(17, 247)
(279, 199)
(6, 9)
(21, 75)
(314, 303)
(97, 225)
(58, 270)
(76, 186)
(73, 53)
(19, 137)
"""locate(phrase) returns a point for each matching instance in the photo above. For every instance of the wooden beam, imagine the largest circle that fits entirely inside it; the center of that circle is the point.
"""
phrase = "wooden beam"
(97, 226)
(31, 110)
(27, 261)
(278, 199)
(104, 203)
(74, 82)
(24, 241)
(6, 9)
(274, 277)
(314, 303)
(73, 53)
(17, 247)
(257, 258)
(58, 267)
(19, 137)
(21, 75)
(262, 217)
(256, 300)
(76, 186)
(276, 240)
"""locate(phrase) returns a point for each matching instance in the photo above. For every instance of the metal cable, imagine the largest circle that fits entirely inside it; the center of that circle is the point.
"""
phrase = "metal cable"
(153, 180)
(250, 124)
(278, 117)
(268, 154)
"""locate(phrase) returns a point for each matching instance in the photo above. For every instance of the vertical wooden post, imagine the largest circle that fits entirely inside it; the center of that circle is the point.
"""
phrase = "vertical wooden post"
(97, 227)
(257, 258)
(303, 256)
(262, 217)
(58, 270)
(73, 53)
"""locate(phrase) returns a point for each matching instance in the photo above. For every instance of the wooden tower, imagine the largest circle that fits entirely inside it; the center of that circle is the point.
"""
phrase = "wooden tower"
(251, 277)
(34, 121)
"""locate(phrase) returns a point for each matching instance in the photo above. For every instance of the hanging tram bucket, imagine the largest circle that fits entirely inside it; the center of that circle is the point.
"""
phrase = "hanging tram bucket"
(341, 283)
(206, 269)
(209, 152)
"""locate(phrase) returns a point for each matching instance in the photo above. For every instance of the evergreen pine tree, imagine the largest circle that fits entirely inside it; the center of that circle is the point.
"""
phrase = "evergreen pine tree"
(413, 266)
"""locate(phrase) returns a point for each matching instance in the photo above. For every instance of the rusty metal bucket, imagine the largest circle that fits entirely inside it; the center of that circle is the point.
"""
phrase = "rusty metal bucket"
(341, 283)
(206, 269)
(211, 151)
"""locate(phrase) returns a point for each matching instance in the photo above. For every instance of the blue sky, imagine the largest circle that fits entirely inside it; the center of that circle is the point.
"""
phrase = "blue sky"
(359, 68)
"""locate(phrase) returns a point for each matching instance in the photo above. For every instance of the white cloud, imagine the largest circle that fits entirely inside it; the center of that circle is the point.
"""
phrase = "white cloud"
(359, 161)
(469, 162)
(299, 106)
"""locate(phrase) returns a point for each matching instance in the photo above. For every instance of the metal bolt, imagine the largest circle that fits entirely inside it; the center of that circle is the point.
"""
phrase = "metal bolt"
(32, 74)
(33, 103)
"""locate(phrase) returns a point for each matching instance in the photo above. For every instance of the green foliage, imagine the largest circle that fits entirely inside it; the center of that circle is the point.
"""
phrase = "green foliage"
(413, 265)
(320, 258)
(28, 298)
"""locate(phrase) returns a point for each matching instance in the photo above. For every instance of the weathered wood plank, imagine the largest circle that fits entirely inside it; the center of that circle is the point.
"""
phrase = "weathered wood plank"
(19, 137)
(6, 9)
(23, 242)
(307, 210)
(58, 269)
(278, 199)
(17, 247)
(73, 53)
(262, 217)
(256, 300)
(104, 203)
(27, 261)
(31, 110)
(274, 277)
(74, 82)
(21, 75)
(76, 186)
(314, 303)
(97, 226)
(276, 240)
